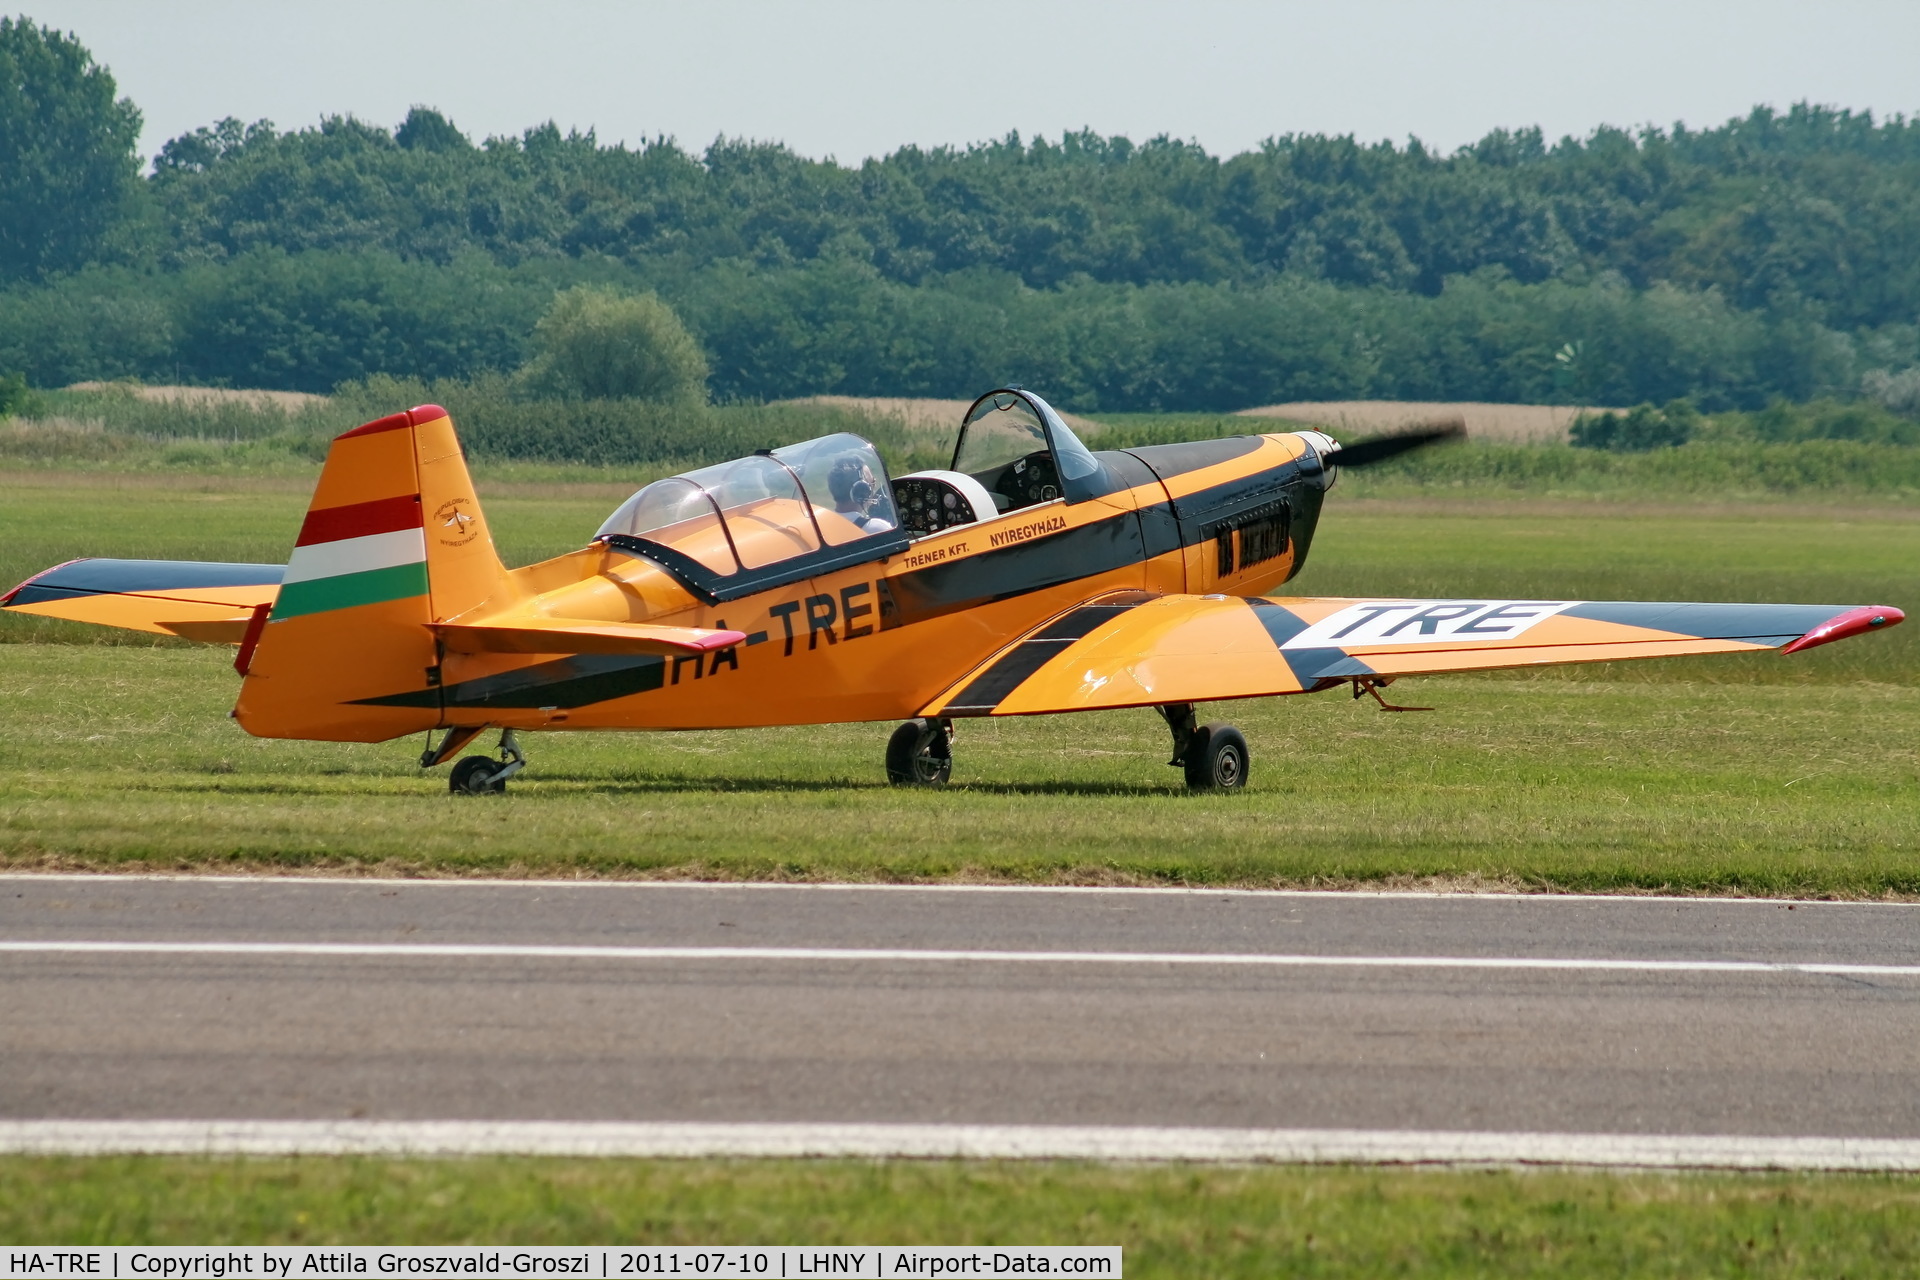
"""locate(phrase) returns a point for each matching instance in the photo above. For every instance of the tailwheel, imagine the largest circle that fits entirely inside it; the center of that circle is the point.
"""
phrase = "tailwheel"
(481, 776)
(1216, 758)
(920, 754)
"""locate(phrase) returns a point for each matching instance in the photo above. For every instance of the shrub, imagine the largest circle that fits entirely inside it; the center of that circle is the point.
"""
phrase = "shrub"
(1899, 392)
(595, 344)
(1639, 430)
(15, 395)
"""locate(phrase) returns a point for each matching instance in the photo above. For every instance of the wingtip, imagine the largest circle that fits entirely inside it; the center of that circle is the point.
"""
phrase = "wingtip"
(712, 640)
(1871, 617)
(18, 587)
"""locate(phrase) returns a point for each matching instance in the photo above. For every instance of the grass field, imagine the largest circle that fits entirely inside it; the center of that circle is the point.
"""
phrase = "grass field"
(1171, 1220)
(1547, 783)
(1753, 774)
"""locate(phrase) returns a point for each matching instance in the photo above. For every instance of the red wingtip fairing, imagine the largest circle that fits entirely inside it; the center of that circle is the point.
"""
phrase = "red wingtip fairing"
(1872, 617)
(21, 586)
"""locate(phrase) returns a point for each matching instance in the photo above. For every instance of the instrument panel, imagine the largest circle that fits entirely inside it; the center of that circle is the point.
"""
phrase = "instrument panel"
(1029, 481)
(927, 505)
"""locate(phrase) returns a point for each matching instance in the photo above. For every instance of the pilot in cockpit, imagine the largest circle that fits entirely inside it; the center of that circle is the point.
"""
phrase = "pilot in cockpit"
(851, 483)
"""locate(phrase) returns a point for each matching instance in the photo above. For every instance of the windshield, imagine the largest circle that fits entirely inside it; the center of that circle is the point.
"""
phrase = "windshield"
(1013, 443)
(1002, 428)
(1074, 459)
(758, 511)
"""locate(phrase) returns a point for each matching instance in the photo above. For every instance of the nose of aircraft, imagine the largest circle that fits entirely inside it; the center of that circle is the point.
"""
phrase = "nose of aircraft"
(1316, 463)
(1330, 455)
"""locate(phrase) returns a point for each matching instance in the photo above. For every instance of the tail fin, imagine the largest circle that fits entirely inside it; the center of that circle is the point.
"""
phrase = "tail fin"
(394, 540)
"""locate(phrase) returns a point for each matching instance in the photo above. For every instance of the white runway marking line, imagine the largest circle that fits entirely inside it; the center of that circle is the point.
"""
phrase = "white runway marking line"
(947, 1142)
(464, 950)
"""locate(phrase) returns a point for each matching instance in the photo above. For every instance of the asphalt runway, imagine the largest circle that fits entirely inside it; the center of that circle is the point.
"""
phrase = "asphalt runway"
(382, 1002)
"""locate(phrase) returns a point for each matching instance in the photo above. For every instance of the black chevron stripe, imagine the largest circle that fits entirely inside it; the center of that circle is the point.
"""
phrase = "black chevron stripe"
(992, 686)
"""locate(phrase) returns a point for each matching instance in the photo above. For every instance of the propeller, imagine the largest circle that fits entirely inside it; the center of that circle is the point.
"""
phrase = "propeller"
(1380, 448)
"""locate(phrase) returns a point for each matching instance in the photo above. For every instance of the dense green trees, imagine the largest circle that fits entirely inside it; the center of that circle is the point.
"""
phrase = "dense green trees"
(67, 162)
(1777, 255)
(299, 322)
(1815, 205)
(306, 321)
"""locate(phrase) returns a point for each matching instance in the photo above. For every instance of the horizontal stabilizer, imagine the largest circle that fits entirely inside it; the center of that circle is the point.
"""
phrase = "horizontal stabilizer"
(191, 598)
(572, 635)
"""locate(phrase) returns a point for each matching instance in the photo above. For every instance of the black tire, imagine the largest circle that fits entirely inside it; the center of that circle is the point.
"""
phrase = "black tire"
(1217, 759)
(473, 776)
(918, 755)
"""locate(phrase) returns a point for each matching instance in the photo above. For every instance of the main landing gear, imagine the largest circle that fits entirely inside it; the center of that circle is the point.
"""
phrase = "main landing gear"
(479, 775)
(1213, 755)
(920, 753)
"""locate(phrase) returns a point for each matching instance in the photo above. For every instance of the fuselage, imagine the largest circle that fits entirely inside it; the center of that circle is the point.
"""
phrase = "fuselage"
(880, 639)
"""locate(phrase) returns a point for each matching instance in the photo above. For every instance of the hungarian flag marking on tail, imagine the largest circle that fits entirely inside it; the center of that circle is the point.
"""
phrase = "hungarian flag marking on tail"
(363, 553)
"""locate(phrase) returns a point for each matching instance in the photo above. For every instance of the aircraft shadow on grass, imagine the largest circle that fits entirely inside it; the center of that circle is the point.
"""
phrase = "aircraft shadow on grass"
(659, 783)
(560, 785)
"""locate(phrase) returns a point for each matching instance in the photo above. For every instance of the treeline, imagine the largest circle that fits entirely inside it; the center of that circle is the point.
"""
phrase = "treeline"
(1775, 256)
(309, 321)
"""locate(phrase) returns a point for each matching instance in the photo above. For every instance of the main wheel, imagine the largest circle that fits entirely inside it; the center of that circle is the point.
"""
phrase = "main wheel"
(1217, 758)
(918, 755)
(473, 776)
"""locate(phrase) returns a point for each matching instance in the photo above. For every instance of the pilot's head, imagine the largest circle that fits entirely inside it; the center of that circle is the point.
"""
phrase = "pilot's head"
(850, 481)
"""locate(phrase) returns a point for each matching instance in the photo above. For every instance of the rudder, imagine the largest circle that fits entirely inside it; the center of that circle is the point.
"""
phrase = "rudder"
(394, 540)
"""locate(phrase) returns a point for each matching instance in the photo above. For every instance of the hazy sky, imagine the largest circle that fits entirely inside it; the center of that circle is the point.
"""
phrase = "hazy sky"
(853, 78)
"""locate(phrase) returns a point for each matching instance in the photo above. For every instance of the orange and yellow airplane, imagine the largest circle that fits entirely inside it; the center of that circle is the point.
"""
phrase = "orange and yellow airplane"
(800, 586)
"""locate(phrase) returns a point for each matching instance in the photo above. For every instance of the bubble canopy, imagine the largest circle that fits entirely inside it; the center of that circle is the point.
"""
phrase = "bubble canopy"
(758, 513)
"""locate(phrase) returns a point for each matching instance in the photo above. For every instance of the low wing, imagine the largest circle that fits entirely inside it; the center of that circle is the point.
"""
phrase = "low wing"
(1136, 649)
(573, 635)
(210, 602)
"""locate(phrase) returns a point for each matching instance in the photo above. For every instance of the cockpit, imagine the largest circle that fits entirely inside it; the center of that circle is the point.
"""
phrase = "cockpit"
(1016, 446)
(1014, 451)
(804, 505)
(783, 514)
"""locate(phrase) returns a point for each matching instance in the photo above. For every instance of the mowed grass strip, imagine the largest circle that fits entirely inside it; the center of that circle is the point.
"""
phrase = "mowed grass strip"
(1172, 1220)
(1543, 784)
